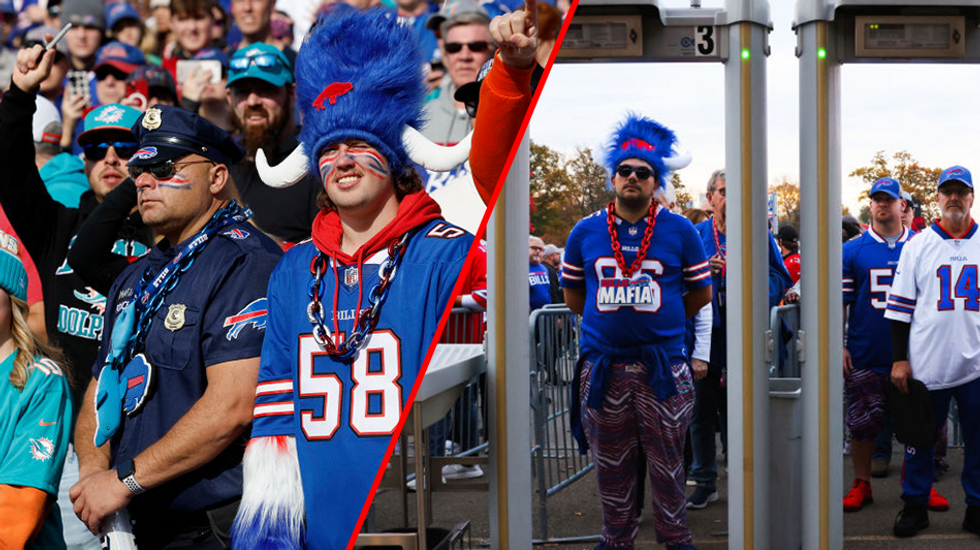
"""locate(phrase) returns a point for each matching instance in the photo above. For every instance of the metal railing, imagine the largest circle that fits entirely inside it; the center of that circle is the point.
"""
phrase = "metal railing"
(556, 462)
(784, 327)
(463, 431)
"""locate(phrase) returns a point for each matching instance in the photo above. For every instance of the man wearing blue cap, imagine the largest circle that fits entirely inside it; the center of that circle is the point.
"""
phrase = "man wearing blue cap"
(934, 306)
(187, 323)
(261, 93)
(869, 262)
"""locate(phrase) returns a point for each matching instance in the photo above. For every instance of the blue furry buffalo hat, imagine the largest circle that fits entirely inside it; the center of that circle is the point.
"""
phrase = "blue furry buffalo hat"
(642, 138)
(360, 76)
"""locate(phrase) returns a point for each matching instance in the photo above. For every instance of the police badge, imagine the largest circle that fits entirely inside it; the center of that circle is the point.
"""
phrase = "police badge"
(175, 317)
(153, 119)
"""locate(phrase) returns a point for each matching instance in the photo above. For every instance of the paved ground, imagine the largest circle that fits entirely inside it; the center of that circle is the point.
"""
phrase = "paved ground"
(575, 512)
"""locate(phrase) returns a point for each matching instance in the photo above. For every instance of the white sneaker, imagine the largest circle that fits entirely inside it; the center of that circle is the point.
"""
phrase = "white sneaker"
(459, 471)
(411, 484)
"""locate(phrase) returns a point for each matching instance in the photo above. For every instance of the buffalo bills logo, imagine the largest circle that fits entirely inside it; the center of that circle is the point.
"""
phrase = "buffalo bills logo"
(331, 93)
(955, 172)
(254, 314)
(637, 144)
(145, 153)
(237, 234)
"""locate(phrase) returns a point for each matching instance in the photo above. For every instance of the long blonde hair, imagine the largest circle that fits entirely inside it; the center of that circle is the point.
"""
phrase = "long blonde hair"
(28, 346)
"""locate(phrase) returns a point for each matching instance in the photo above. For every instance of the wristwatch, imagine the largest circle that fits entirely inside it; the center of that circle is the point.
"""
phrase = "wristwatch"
(126, 470)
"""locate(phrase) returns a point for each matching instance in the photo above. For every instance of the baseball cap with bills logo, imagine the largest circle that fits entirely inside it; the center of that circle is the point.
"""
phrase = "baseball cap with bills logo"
(956, 173)
(103, 118)
(13, 276)
(889, 186)
(120, 56)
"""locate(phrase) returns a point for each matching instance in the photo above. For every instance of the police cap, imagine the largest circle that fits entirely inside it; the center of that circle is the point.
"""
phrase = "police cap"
(166, 133)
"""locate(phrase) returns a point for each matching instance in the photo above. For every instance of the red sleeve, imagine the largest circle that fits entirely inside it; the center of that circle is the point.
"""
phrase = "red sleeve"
(793, 266)
(477, 281)
(504, 98)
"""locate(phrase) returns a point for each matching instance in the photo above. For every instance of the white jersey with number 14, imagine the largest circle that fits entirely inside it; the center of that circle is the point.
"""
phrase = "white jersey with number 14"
(936, 290)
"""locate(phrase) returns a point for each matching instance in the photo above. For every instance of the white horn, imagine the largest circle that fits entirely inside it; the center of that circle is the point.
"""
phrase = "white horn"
(292, 169)
(678, 161)
(432, 156)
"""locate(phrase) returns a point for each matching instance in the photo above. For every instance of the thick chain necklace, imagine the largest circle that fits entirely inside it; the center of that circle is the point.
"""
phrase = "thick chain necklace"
(617, 248)
(229, 214)
(368, 318)
(721, 250)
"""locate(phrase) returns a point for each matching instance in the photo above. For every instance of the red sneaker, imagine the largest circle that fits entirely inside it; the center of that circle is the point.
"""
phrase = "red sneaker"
(937, 502)
(859, 496)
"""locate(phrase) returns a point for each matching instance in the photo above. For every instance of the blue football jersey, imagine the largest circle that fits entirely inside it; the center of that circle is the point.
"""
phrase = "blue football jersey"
(343, 415)
(868, 268)
(649, 307)
(540, 286)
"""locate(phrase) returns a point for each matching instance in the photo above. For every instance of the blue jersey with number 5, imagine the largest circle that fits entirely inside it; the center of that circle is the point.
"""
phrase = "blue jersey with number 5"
(869, 266)
(342, 414)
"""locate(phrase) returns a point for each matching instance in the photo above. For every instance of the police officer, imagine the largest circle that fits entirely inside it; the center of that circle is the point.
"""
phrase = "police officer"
(187, 323)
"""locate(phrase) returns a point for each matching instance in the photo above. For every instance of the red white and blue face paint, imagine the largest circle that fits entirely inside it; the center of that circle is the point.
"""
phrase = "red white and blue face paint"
(177, 181)
(361, 154)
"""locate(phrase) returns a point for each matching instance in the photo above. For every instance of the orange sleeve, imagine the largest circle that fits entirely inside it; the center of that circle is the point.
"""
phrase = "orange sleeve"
(23, 510)
(504, 98)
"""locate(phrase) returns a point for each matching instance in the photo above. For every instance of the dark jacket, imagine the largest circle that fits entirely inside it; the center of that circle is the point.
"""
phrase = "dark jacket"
(286, 214)
(73, 310)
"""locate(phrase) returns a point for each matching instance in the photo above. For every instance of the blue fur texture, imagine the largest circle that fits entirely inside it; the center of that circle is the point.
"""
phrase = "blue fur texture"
(267, 531)
(382, 61)
(637, 127)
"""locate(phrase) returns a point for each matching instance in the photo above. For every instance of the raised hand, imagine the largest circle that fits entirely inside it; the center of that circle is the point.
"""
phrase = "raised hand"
(516, 34)
(32, 68)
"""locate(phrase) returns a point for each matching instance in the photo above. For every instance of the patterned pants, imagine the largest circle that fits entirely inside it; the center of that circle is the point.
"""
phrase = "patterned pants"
(866, 408)
(630, 417)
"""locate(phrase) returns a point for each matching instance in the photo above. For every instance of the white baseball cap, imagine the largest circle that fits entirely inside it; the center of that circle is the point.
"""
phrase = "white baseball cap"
(44, 129)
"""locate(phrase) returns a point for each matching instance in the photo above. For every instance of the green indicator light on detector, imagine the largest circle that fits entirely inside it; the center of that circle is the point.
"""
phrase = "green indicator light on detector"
(745, 54)
(821, 53)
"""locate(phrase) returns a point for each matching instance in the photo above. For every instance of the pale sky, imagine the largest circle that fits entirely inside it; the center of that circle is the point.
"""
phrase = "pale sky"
(929, 110)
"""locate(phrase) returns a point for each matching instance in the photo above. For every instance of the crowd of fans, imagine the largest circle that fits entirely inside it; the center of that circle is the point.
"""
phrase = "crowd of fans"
(229, 64)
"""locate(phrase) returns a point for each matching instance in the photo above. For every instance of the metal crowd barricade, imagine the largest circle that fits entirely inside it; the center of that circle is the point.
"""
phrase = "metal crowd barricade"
(556, 462)
(784, 327)
(464, 432)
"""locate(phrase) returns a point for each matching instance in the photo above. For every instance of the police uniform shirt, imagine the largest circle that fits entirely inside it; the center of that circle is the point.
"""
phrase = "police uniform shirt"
(649, 309)
(215, 314)
(935, 289)
(869, 263)
(343, 414)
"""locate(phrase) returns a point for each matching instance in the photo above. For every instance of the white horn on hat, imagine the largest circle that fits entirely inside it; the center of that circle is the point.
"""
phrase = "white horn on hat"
(678, 161)
(285, 174)
(420, 149)
(431, 156)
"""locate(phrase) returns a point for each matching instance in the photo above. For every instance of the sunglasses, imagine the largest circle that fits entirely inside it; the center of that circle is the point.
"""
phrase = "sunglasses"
(263, 61)
(641, 172)
(479, 46)
(162, 170)
(950, 191)
(97, 151)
